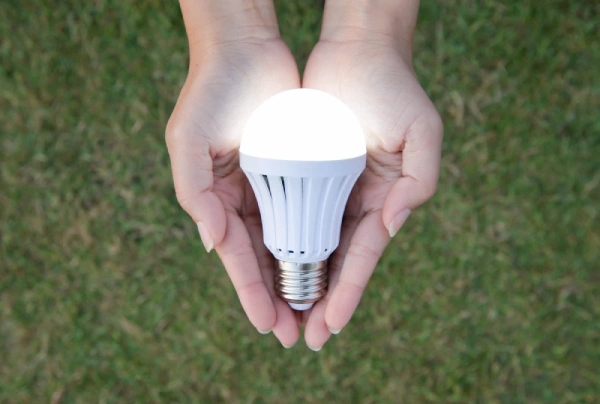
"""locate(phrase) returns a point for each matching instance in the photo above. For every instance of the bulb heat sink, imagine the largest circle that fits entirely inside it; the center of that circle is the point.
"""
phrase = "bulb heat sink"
(301, 219)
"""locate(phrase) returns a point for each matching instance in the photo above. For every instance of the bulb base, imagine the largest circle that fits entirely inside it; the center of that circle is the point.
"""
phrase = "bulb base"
(301, 284)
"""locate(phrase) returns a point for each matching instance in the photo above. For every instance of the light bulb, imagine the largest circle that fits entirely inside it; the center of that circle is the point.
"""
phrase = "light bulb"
(302, 151)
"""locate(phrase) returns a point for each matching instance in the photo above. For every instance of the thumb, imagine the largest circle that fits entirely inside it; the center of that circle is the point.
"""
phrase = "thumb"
(192, 168)
(420, 171)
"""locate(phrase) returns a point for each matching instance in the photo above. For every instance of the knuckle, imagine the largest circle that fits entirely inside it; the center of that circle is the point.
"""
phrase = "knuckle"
(436, 124)
(243, 252)
(429, 190)
(176, 132)
(184, 139)
(171, 130)
(363, 251)
(184, 201)
(351, 286)
(251, 289)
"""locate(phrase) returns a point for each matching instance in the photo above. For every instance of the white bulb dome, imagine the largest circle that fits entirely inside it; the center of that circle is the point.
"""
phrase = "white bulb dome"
(303, 125)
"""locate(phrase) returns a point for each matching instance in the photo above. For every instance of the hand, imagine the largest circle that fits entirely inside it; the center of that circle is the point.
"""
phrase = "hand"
(228, 79)
(404, 135)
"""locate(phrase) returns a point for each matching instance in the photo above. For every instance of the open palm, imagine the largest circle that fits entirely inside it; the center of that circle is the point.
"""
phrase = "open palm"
(203, 138)
(404, 135)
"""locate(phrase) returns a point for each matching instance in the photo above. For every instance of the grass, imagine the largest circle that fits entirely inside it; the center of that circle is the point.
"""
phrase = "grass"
(489, 294)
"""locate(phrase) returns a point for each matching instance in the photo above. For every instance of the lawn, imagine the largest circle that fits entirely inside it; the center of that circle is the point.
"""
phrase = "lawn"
(490, 293)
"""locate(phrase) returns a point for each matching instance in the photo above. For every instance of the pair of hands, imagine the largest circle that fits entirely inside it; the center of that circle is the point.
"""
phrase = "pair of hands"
(404, 134)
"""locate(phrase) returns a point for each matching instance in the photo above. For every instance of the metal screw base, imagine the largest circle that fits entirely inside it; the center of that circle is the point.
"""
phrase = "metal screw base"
(301, 283)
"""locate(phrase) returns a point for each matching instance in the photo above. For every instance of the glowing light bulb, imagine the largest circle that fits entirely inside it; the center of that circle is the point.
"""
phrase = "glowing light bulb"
(302, 151)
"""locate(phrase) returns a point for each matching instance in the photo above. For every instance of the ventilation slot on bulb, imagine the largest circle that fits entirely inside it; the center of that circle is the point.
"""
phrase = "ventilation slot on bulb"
(266, 180)
(301, 217)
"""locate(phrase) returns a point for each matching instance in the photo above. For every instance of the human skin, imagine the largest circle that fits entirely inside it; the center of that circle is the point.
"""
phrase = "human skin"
(364, 57)
(237, 60)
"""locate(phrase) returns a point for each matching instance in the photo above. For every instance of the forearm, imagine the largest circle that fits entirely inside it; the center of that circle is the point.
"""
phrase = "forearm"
(386, 20)
(209, 22)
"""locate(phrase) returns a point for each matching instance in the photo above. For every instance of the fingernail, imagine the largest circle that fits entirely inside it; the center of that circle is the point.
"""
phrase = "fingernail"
(314, 349)
(205, 236)
(263, 332)
(334, 330)
(287, 346)
(398, 221)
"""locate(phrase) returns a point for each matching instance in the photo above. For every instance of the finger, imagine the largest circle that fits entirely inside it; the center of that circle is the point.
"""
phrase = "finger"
(286, 327)
(316, 332)
(191, 165)
(238, 256)
(336, 261)
(367, 244)
(420, 171)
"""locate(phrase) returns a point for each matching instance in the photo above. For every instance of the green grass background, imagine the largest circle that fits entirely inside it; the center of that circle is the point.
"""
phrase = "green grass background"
(490, 294)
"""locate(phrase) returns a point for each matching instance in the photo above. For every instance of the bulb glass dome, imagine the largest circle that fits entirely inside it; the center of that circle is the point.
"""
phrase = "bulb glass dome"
(303, 125)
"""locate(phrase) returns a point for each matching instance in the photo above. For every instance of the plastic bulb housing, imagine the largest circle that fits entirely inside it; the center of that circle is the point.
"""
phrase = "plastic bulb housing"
(302, 151)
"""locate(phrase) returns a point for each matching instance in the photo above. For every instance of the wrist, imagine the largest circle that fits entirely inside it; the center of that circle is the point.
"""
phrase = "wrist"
(212, 22)
(388, 21)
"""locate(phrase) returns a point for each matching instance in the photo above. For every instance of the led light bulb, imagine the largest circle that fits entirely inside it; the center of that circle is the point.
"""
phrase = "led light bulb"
(302, 151)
